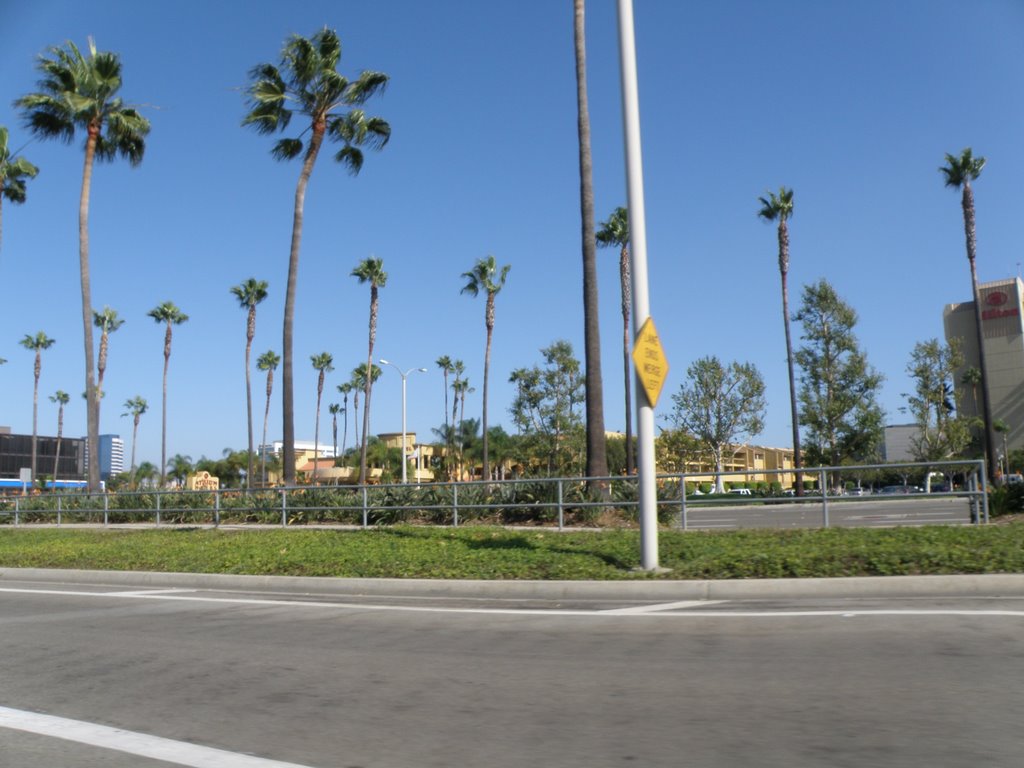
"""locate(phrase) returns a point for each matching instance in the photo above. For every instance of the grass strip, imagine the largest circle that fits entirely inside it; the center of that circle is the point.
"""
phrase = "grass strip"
(497, 553)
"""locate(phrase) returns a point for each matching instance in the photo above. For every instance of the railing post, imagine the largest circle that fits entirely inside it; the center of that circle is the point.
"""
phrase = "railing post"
(455, 505)
(561, 509)
(824, 496)
(216, 509)
(157, 494)
(106, 509)
(284, 507)
(366, 508)
(683, 521)
(58, 509)
(16, 500)
(984, 493)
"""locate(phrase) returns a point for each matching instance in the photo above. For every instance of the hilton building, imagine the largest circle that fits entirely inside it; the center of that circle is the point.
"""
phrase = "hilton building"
(1002, 326)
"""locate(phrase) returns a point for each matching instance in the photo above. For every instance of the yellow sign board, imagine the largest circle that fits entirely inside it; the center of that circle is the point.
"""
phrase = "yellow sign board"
(649, 358)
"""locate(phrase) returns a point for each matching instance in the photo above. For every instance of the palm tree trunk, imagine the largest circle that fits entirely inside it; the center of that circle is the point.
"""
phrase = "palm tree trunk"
(266, 417)
(597, 460)
(287, 395)
(92, 407)
(163, 422)
(794, 413)
(250, 332)
(135, 434)
(447, 427)
(344, 428)
(316, 428)
(986, 400)
(485, 474)
(369, 384)
(626, 289)
(60, 431)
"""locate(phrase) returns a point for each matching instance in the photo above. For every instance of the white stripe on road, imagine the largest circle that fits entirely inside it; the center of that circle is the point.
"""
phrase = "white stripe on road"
(663, 612)
(662, 607)
(141, 592)
(133, 742)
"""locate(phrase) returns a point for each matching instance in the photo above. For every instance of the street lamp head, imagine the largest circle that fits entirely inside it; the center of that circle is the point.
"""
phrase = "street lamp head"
(422, 370)
(384, 362)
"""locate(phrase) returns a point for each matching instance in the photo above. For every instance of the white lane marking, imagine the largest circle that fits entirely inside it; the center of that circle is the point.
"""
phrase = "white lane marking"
(133, 742)
(519, 611)
(661, 607)
(137, 592)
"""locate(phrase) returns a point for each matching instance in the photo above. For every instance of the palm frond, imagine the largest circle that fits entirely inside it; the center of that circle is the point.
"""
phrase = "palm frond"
(287, 149)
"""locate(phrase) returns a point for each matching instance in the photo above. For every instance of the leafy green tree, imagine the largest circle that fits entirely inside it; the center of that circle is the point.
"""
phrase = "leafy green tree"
(597, 460)
(942, 432)
(675, 449)
(839, 389)
(249, 294)
(178, 469)
(720, 405)
(323, 363)
(169, 314)
(135, 407)
(268, 362)
(546, 407)
(37, 344)
(485, 277)
(307, 82)
(1000, 426)
(14, 171)
(615, 232)
(62, 398)
(369, 271)
(79, 92)
(779, 207)
(958, 173)
(108, 322)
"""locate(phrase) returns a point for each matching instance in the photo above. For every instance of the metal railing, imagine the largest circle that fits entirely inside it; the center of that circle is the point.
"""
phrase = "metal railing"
(559, 502)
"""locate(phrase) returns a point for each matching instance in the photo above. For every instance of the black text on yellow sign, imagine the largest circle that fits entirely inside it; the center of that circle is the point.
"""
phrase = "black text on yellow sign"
(650, 362)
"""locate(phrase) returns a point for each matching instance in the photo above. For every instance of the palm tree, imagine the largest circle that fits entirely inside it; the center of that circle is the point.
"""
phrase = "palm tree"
(168, 314)
(369, 271)
(359, 384)
(334, 409)
(615, 231)
(62, 398)
(458, 369)
(268, 362)
(597, 459)
(14, 171)
(37, 344)
(308, 78)
(179, 468)
(249, 294)
(445, 364)
(486, 277)
(958, 173)
(779, 208)
(344, 389)
(135, 407)
(80, 92)
(108, 322)
(323, 363)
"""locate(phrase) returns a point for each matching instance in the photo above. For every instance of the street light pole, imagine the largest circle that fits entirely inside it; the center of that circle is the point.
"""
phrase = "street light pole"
(404, 375)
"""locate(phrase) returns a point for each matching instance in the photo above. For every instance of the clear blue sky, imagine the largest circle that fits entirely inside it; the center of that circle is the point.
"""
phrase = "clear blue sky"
(852, 104)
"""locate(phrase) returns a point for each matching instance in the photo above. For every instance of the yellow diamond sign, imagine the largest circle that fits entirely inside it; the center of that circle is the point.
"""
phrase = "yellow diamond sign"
(649, 358)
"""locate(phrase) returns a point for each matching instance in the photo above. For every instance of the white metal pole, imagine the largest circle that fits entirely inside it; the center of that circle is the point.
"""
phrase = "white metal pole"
(641, 307)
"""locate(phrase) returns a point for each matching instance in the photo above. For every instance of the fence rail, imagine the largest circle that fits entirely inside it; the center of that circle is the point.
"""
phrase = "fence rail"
(557, 502)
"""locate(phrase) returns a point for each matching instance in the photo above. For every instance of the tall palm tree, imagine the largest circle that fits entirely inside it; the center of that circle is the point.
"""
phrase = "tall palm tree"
(359, 384)
(37, 344)
(307, 81)
(78, 91)
(135, 407)
(334, 409)
(369, 271)
(249, 294)
(62, 398)
(170, 315)
(268, 362)
(108, 322)
(597, 459)
(486, 277)
(344, 389)
(324, 363)
(958, 173)
(779, 207)
(458, 369)
(445, 364)
(615, 231)
(14, 171)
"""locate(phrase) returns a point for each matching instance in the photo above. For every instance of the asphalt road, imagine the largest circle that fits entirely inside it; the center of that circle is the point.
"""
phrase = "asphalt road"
(393, 680)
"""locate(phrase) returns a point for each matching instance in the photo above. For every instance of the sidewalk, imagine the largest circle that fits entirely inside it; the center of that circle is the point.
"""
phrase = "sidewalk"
(978, 585)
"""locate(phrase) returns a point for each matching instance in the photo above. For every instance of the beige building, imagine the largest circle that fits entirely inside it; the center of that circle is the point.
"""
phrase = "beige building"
(753, 461)
(1002, 321)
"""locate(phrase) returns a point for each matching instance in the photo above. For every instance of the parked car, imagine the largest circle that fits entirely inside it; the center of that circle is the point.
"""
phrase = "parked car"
(892, 489)
(741, 492)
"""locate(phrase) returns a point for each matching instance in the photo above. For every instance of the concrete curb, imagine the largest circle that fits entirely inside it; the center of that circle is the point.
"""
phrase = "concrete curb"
(988, 585)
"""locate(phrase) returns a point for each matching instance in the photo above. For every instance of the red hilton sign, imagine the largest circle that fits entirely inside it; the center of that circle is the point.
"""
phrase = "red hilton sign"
(996, 301)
